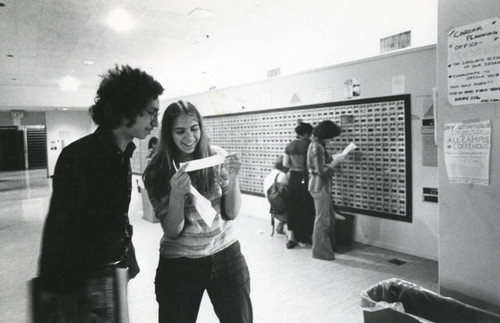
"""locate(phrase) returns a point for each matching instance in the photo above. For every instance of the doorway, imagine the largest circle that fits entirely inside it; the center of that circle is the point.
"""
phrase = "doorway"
(11, 149)
(36, 141)
(23, 147)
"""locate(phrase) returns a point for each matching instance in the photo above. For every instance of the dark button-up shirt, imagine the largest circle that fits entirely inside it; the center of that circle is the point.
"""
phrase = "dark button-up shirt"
(87, 226)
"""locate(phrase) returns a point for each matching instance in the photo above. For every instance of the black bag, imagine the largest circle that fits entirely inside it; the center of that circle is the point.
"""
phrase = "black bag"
(102, 298)
(277, 195)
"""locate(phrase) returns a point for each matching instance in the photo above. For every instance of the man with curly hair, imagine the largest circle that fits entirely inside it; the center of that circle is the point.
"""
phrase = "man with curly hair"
(87, 231)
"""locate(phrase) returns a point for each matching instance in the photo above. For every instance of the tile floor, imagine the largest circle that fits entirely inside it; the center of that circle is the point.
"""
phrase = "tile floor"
(288, 286)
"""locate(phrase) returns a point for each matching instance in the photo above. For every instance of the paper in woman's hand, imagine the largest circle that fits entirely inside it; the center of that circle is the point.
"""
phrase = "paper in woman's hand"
(203, 206)
(203, 163)
(343, 155)
(349, 148)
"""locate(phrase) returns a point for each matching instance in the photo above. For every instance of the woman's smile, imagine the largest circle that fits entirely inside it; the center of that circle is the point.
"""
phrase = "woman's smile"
(186, 133)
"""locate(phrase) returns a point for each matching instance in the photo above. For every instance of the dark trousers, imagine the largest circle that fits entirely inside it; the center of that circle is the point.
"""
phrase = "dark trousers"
(301, 213)
(181, 282)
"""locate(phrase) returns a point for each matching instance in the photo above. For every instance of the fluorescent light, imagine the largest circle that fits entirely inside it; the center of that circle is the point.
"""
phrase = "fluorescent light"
(88, 62)
(69, 83)
(120, 20)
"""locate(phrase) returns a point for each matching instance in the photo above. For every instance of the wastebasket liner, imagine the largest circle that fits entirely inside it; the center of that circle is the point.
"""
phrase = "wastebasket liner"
(422, 303)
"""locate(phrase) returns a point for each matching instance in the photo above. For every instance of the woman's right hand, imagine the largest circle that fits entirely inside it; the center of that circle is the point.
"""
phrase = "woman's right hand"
(337, 159)
(340, 157)
(180, 183)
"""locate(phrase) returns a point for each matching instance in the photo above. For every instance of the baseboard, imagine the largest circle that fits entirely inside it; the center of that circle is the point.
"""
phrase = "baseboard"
(469, 300)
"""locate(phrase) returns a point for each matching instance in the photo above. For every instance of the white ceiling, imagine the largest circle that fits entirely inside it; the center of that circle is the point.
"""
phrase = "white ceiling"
(238, 43)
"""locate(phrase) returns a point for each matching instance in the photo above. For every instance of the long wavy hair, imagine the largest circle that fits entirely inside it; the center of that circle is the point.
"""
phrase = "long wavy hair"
(161, 168)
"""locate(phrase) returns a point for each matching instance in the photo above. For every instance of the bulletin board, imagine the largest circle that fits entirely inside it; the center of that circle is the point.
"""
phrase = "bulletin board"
(375, 180)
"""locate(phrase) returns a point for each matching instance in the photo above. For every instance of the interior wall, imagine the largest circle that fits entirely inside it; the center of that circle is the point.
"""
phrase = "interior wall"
(48, 97)
(29, 119)
(409, 71)
(64, 127)
(469, 225)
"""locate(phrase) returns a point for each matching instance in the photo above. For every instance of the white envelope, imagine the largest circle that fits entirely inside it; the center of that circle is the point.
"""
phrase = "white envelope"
(203, 163)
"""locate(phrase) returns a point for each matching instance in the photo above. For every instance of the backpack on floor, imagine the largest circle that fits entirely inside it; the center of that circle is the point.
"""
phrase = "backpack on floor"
(277, 195)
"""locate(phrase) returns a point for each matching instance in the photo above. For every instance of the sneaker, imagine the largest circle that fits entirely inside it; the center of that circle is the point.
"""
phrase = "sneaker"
(290, 244)
(339, 217)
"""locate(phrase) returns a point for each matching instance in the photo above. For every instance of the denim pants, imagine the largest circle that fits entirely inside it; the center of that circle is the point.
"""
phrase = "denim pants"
(181, 282)
(323, 243)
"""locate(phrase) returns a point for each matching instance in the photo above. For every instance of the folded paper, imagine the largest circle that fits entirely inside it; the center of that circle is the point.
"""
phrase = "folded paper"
(349, 148)
(203, 206)
(203, 163)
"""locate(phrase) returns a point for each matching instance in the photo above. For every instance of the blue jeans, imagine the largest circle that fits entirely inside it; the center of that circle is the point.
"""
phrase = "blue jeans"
(323, 239)
(181, 282)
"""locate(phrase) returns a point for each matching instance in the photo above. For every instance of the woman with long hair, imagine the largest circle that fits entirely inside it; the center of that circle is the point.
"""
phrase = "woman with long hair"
(196, 255)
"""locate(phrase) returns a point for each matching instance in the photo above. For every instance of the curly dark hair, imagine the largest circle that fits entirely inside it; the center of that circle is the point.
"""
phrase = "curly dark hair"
(303, 128)
(124, 92)
(326, 129)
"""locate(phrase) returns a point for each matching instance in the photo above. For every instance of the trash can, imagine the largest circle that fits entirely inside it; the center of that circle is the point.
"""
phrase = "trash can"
(396, 300)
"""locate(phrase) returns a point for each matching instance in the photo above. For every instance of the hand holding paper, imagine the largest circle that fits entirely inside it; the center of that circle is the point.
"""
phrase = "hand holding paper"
(349, 148)
(232, 164)
(337, 158)
(180, 181)
(202, 205)
(203, 163)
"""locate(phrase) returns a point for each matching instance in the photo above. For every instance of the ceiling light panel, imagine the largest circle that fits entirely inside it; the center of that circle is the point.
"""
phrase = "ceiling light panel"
(200, 13)
(120, 20)
(69, 83)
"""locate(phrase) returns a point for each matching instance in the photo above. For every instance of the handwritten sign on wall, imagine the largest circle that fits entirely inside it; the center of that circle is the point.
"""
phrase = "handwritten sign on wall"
(474, 63)
(467, 152)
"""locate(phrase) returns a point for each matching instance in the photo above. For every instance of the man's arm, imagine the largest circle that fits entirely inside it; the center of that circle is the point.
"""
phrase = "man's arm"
(61, 261)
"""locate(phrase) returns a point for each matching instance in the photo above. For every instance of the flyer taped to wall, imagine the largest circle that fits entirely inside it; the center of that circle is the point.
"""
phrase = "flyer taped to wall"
(467, 149)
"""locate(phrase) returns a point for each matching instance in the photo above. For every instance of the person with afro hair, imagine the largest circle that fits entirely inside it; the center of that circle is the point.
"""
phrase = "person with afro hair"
(87, 233)
(321, 167)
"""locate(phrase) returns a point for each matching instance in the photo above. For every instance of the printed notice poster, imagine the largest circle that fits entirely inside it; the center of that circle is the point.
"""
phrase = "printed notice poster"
(467, 152)
(474, 63)
(351, 88)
